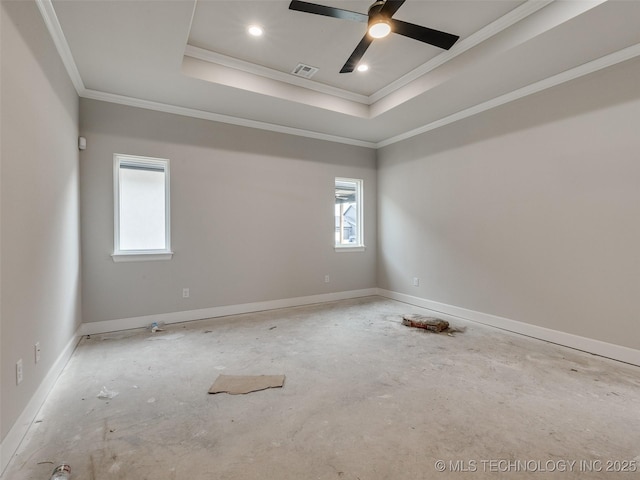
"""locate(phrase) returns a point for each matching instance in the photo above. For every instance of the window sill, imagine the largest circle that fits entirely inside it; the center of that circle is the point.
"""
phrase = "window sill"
(141, 256)
(349, 248)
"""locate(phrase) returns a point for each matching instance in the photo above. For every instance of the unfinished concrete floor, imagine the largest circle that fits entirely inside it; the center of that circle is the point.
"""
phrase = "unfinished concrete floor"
(365, 398)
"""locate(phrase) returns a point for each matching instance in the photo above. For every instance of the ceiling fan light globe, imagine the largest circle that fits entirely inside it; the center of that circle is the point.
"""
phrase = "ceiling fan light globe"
(379, 29)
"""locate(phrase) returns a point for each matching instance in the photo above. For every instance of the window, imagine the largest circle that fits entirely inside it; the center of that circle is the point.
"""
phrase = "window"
(348, 214)
(141, 210)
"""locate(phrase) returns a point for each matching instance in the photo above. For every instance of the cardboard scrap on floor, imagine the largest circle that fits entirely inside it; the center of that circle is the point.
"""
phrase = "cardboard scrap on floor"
(241, 384)
(422, 321)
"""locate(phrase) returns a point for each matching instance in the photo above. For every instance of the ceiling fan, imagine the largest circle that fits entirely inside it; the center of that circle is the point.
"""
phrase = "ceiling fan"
(379, 25)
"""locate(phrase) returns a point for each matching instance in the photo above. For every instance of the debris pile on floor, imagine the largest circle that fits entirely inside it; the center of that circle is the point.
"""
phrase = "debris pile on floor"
(155, 327)
(106, 394)
(432, 324)
(422, 321)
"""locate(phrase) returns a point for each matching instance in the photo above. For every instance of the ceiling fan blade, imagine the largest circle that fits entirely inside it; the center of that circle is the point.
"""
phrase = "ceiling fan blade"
(357, 55)
(328, 11)
(424, 34)
(390, 7)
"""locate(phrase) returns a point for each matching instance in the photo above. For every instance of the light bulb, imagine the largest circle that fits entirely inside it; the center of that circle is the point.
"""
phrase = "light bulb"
(255, 30)
(380, 29)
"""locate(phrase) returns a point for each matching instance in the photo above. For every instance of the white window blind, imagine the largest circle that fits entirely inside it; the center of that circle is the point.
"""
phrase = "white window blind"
(142, 223)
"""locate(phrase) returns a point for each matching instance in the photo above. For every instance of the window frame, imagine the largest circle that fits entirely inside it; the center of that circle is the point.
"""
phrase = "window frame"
(146, 254)
(359, 246)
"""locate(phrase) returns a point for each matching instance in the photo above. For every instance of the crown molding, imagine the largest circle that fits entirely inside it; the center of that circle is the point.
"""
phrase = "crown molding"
(502, 23)
(571, 74)
(55, 30)
(217, 117)
(53, 25)
(248, 67)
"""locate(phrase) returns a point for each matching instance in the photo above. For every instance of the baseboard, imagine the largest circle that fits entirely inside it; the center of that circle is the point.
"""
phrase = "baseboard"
(92, 328)
(589, 345)
(12, 441)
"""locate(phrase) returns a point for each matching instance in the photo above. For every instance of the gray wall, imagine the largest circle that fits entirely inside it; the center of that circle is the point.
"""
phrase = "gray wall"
(40, 297)
(529, 211)
(251, 214)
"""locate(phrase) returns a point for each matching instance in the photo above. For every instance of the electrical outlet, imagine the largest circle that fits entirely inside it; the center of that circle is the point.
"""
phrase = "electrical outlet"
(19, 372)
(185, 293)
(416, 282)
(326, 279)
(36, 349)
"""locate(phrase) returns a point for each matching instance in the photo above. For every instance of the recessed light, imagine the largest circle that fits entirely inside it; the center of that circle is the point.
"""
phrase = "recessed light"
(255, 30)
(363, 67)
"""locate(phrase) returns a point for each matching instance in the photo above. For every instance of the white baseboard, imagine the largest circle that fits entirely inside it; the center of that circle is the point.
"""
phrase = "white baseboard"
(589, 345)
(92, 328)
(12, 441)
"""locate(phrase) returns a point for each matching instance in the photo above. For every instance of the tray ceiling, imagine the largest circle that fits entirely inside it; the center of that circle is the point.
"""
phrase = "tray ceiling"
(195, 58)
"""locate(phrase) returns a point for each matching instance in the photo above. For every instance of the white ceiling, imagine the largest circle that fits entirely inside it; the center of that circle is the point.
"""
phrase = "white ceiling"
(293, 37)
(195, 58)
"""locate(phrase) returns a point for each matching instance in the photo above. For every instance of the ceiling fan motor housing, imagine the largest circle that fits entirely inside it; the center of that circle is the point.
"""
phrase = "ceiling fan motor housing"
(379, 25)
(375, 8)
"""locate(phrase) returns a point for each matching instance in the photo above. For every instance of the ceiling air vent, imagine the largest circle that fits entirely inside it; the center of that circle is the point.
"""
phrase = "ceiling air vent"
(304, 71)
